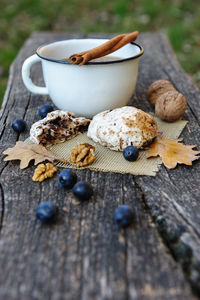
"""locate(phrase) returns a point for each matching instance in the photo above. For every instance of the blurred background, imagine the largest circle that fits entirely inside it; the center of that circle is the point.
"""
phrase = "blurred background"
(178, 19)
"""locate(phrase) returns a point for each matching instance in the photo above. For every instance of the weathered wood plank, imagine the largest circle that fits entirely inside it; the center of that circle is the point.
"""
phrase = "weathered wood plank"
(174, 194)
(84, 256)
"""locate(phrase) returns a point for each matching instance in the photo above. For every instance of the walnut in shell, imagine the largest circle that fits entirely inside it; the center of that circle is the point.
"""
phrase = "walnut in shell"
(57, 127)
(122, 127)
(82, 155)
(170, 106)
(157, 88)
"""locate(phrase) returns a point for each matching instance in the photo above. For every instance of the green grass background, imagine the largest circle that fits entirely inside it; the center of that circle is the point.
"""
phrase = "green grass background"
(178, 19)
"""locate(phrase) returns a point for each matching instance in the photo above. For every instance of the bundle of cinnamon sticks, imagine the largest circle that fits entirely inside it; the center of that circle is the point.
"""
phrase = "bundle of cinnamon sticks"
(104, 49)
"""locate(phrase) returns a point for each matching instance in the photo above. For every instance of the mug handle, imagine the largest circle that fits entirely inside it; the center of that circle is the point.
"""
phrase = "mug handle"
(26, 76)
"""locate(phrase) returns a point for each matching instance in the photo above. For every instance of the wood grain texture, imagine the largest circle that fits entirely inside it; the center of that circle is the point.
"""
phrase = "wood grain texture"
(84, 255)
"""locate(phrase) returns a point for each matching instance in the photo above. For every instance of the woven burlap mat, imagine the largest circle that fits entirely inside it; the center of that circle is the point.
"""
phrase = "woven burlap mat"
(113, 161)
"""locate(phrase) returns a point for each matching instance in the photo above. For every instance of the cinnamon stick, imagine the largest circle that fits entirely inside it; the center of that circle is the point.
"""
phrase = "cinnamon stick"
(104, 49)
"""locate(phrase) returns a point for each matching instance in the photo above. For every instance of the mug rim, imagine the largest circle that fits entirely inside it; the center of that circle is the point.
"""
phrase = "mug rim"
(90, 62)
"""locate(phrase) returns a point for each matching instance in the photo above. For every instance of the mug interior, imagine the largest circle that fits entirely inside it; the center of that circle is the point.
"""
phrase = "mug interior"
(63, 49)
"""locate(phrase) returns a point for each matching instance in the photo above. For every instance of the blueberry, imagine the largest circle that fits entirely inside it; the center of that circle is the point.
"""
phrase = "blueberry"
(46, 212)
(182, 252)
(83, 190)
(44, 110)
(124, 216)
(67, 178)
(19, 125)
(131, 153)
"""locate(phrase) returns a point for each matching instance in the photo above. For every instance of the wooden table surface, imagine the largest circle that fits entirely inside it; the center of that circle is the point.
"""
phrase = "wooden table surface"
(84, 255)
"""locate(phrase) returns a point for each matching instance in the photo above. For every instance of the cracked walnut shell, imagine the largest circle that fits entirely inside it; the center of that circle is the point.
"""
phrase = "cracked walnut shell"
(82, 155)
(43, 171)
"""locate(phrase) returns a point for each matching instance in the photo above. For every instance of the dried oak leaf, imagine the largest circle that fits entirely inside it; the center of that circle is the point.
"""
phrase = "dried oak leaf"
(173, 152)
(27, 152)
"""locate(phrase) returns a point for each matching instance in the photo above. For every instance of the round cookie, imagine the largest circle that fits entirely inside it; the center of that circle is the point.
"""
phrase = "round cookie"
(122, 127)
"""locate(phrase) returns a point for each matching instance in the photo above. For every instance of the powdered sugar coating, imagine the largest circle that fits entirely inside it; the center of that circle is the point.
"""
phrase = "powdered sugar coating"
(122, 127)
(38, 128)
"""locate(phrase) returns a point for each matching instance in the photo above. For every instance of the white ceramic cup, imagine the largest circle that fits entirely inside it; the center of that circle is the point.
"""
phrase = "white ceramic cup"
(89, 89)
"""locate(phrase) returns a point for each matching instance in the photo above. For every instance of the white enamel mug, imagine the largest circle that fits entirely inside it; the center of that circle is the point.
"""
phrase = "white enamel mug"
(89, 89)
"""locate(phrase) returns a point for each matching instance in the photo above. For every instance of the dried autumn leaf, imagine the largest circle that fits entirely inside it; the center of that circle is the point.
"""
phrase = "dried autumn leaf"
(173, 152)
(27, 152)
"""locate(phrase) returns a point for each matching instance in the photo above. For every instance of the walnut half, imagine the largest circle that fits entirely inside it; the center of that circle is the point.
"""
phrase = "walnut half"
(82, 155)
(43, 171)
